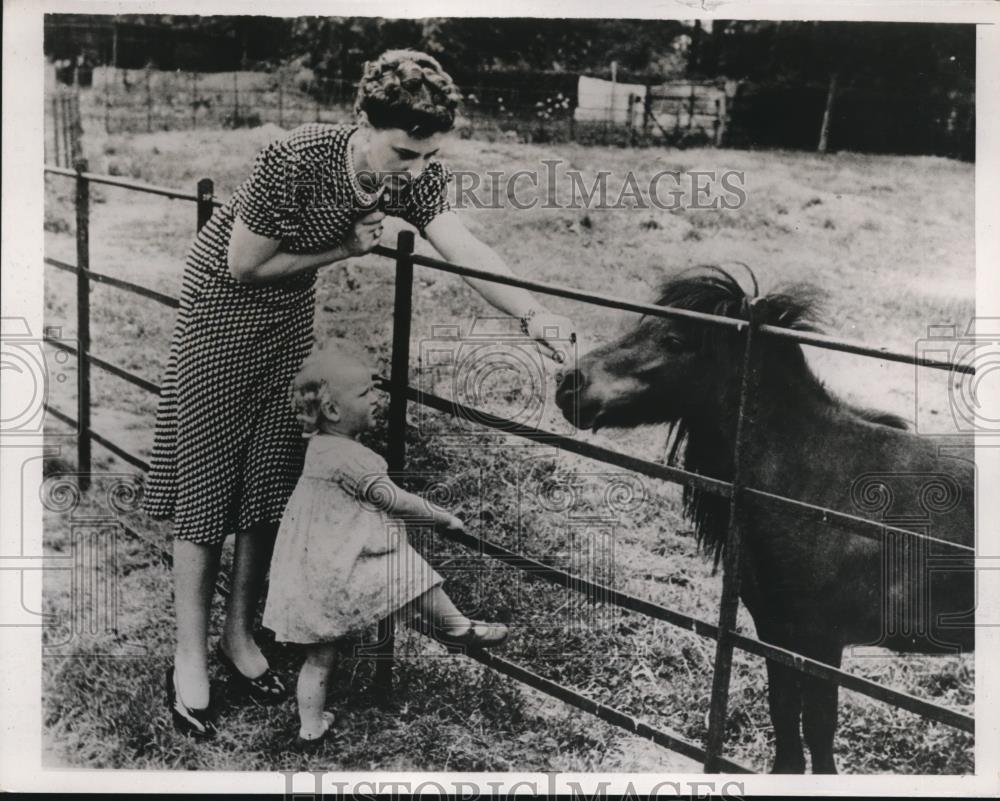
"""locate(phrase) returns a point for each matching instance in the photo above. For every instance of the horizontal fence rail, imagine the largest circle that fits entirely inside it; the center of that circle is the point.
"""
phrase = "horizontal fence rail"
(616, 717)
(128, 286)
(142, 383)
(118, 450)
(871, 529)
(556, 290)
(125, 183)
(600, 593)
(611, 301)
(401, 392)
(712, 486)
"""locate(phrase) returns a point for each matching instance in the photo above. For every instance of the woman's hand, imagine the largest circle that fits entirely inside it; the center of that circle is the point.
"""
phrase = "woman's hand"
(556, 334)
(365, 235)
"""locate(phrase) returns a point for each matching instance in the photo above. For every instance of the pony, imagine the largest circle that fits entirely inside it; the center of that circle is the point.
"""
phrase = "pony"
(811, 587)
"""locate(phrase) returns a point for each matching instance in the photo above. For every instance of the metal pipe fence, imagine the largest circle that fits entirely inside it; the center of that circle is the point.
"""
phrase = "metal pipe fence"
(741, 497)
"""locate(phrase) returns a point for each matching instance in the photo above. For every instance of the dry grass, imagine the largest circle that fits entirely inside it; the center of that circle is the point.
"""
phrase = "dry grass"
(889, 240)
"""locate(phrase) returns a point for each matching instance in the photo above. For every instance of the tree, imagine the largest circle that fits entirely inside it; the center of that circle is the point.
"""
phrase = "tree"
(907, 56)
(337, 47)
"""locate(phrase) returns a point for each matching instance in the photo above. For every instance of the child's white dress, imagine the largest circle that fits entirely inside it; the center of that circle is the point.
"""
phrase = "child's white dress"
(339, 565)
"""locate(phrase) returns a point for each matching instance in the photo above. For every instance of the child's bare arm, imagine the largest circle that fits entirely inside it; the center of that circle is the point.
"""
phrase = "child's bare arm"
(384, 493)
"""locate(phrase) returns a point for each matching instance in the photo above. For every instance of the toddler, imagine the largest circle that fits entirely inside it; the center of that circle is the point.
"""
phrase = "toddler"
(338, 565)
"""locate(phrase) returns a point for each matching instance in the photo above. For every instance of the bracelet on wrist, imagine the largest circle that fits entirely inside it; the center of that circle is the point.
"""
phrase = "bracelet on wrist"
(526, 319)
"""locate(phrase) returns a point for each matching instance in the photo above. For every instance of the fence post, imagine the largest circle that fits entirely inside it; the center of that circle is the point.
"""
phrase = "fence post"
(647, 112)
(824, 132)
(206, 190)
(64, 114)
(107, 100)
(77, 134)
(691, 102)
(731, 561)
(83, 322)
(281, 103)
(629, 123)
(55, 128)
(149, 102)
(399, 372)
(60, 133)
(194, 100)
(71, 154)
(399, 379)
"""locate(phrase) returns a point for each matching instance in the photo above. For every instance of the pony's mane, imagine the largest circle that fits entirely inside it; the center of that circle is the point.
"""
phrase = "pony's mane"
(712, 290)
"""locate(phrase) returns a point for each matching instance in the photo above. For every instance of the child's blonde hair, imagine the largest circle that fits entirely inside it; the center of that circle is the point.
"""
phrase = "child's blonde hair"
(312, 385)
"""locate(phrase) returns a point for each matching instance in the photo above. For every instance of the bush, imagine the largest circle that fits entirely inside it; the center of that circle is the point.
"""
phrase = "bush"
(242, 119)
(55, 222)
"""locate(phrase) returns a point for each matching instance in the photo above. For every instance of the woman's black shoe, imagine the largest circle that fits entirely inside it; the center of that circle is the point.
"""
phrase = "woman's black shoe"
(196, 722)
(267, 688)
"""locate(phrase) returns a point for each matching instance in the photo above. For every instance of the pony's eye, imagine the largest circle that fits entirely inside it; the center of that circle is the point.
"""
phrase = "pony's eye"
(673, 345)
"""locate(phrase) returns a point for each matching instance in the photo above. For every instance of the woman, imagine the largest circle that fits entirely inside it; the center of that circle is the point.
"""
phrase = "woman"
(228, 449)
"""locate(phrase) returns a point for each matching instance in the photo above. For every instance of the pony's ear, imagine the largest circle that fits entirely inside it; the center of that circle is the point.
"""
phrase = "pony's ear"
(737, 306)
(798, 307)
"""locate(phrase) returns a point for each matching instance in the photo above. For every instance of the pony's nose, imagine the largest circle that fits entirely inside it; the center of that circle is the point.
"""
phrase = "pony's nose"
(571, 380)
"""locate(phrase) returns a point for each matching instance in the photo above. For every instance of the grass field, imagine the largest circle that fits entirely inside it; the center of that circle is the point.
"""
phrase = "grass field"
(890, 242)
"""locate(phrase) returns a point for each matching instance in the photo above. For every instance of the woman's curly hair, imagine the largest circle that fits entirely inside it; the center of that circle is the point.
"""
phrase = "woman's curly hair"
(409, 90)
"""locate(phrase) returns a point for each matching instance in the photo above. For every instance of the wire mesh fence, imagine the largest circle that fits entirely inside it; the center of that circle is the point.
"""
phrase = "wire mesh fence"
(144, 101)
(674, 113)
(63, 128)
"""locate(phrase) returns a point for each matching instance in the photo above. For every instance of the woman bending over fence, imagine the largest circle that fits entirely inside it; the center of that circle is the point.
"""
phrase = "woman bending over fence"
(228, 449)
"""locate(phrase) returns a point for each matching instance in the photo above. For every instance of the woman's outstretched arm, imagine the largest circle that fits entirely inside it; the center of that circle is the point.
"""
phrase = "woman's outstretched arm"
(449, 236)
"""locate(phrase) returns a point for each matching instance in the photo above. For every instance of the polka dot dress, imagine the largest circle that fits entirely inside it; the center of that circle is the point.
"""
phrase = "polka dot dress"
(228, 449)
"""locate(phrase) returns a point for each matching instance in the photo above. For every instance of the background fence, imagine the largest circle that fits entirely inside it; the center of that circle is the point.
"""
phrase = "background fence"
(143, 101)
(681, 113)
(741, 497)
(63, 143)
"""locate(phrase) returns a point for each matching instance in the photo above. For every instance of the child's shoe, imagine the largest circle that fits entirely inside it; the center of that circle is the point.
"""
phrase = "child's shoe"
(312, 743)
(478, 635)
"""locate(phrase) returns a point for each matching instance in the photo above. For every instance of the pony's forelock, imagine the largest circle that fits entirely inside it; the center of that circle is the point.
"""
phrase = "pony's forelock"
(711, 289)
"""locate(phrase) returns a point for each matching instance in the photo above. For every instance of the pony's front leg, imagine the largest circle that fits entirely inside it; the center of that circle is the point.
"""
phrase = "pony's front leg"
(785, 699)
(819, 710)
